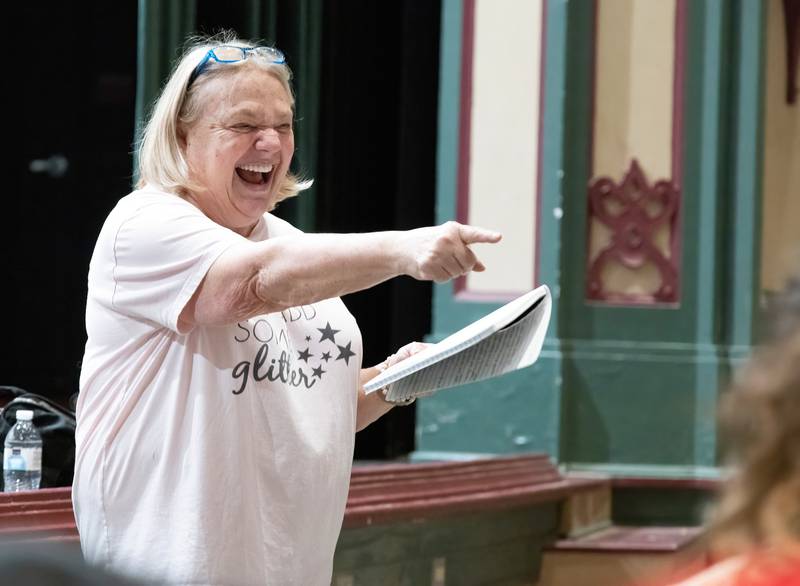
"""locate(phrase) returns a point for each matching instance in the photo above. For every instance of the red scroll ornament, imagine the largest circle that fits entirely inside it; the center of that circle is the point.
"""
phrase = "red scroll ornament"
(634, 210)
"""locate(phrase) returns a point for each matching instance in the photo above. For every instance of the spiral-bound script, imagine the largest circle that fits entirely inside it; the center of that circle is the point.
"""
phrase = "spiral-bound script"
(507, 339)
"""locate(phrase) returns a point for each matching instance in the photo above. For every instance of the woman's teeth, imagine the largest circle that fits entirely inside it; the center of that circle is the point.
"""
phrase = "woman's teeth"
(256, 168)
(254, 173)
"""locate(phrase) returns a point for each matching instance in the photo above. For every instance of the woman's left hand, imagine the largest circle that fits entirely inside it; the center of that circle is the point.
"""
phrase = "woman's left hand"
(406, 351)
(371, 407)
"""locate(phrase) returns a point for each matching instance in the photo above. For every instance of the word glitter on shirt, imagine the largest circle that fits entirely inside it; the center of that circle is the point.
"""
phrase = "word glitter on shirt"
(287, 366)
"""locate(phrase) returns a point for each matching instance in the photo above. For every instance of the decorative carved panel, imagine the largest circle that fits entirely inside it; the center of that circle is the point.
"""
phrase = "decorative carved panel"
(634, 212)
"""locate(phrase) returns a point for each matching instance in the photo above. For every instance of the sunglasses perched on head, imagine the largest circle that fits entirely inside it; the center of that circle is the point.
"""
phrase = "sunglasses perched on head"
(234, 54)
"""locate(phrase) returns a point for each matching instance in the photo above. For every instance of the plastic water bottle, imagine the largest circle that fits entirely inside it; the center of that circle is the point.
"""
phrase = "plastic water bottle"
(22, 457)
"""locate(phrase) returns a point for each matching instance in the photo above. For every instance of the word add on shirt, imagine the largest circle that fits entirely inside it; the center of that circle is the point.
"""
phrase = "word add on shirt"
(213, 455)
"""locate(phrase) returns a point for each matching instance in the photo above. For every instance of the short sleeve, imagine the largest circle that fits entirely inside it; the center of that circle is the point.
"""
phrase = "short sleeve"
(160, 251)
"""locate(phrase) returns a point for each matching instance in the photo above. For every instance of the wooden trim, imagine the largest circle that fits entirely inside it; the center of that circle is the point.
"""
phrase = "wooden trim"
(43, 494)
(678, 108)
(678, 83)
(389, 493)
(537, 219)
(791, 15)
(44, 514)
(397, 493)
(705, 484)
(618, 540)
(465, 122)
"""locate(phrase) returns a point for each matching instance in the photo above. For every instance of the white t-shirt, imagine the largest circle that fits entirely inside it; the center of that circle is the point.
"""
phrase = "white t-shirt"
(219, 455)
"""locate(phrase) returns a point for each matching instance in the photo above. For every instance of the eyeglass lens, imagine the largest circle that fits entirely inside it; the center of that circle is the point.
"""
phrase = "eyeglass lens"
(230, 54)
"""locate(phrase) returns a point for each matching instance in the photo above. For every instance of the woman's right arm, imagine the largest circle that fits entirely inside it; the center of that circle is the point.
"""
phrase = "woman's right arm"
(265, 277)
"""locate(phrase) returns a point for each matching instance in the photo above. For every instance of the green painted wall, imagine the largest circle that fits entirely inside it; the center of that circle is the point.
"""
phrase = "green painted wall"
(621, 389)
(665, 507)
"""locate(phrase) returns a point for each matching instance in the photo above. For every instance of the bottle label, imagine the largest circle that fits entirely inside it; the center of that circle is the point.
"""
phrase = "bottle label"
(22, 459)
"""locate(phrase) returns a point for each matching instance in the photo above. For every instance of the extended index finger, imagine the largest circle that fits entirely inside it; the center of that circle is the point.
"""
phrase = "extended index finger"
(473, 234)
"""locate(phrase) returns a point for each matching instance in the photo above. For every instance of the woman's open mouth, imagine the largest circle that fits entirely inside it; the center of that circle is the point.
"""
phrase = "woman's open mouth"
(255, 174)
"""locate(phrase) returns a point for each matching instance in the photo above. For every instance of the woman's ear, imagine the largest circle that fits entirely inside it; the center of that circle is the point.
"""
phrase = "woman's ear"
(181, 137)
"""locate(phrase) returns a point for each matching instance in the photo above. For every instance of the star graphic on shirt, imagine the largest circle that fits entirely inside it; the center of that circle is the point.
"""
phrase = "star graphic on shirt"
(345, 353)
(308, 338)
(305, 355)
(318, 372)
(328, 333)
(326, 356)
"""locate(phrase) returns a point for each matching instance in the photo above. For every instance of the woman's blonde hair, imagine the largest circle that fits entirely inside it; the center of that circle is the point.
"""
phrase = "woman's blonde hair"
(761, 420)
(161, 158)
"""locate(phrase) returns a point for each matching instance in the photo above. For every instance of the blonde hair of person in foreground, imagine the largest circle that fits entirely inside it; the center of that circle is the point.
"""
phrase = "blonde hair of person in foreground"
(756, 529)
